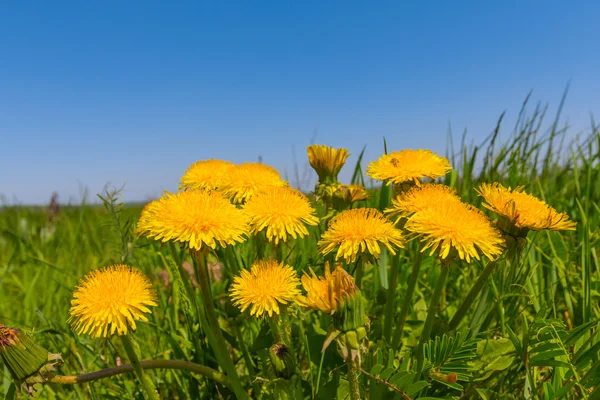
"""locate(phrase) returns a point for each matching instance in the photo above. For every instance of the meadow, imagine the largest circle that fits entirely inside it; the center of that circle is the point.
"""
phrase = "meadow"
(518, 318)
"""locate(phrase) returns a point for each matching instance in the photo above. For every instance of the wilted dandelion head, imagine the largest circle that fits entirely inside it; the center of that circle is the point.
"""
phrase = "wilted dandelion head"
(326, 293)
(408, 166)
(522, 209)
(267, 285)
(197, 217)
(360, 231)
(109, 301)
(327, 161)
(206, 174)
(419, 198)
(247, 179)
(353, 193)
(281, 212)
(452, 225)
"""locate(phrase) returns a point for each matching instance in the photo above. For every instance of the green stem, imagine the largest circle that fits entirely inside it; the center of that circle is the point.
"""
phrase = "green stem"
(220, 347)
(360, 271)
(244, 348)
(353, 376)
(391, 299)
(148, 364)
(147, 386)
(472, 295)
(406, 303)
(432, 311)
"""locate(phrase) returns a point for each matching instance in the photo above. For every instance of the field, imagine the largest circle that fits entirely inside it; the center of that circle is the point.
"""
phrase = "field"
(529, 330)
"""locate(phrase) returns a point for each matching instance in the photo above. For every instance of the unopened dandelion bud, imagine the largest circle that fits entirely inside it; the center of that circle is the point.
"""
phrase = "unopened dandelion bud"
(21, 355)
(282, 361)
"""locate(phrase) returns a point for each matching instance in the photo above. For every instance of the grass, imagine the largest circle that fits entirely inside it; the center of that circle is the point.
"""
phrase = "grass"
(531, 333)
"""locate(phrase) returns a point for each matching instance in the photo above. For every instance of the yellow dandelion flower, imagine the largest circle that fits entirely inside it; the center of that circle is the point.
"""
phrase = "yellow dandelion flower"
(353, 193)
(408, 166)
(282, 212)
(197, 217)
(452, 225)
(523, 209)
(420, 197)
(327, 161)
(328, 292)
(110, 300)
(360, 231)
(206, 174)
(267, 285)
(247, 179)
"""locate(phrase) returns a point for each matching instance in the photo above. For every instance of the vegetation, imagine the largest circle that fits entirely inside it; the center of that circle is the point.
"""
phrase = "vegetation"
(529, 329)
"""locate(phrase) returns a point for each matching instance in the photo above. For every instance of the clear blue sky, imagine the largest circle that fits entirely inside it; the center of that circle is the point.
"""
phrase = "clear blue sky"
(99, 91)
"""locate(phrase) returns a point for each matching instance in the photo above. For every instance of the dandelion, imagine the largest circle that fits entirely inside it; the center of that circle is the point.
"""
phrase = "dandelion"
(206, 174)
(110, 301)
(360, 231)
(337, 294)
(327, 161)
(21, 355)
(282, 212)
(198, 217)
(408, 166)
(420, 197)
(523, 210)
(451, 225)
(327, 292)
(267, 285)
(353, 193)
(245, 180)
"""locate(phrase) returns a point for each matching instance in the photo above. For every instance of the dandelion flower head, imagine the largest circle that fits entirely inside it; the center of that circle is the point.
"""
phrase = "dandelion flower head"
(265, 287)
(197, 217)
(360, 231)
(247, 179)
(110, 301)
(419, 198)
(281, 212)
(408, 166)
(206, 174)
(450, 225)
(327, 161)
(523, 209)
(326, 293)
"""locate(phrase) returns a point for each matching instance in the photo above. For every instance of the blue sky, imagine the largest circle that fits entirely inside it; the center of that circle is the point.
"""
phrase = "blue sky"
(134, 92)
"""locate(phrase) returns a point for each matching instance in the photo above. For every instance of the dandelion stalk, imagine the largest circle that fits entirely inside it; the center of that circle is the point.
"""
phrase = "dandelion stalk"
(147, 386)
(412, 283)
(472, 295)
(432, 311)
(391, 299)
(353, 376)
(146, 364)
(220, 346)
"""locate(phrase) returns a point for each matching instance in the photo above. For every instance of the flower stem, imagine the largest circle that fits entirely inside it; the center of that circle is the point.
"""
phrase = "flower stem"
(147, 364)
(391, 299)
(360, 271)
(432, 311)
(353, 376)
(147, 386)
(472, 295)
(412, 283)
(219, 346)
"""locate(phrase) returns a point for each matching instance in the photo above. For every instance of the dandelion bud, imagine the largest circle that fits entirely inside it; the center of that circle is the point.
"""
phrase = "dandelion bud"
(21, 355)
(282, 361)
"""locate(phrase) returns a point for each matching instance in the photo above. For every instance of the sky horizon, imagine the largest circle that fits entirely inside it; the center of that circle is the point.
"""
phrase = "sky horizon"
(92, 93)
